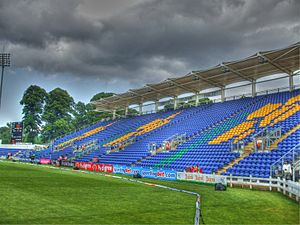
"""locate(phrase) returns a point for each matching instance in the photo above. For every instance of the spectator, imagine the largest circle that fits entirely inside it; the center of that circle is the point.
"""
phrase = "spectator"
(200, 170)
(32, 156)
(60, 158)
(168, 146)
(287, 170)
(258, 144)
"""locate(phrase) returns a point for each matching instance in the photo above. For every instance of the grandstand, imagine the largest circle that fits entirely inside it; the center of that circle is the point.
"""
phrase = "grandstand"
(211, 131)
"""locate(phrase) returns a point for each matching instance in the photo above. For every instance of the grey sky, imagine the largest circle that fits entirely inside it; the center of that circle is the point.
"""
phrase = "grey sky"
(90, 46)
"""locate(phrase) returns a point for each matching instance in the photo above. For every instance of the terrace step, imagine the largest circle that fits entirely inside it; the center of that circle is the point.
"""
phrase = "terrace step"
(247, 151)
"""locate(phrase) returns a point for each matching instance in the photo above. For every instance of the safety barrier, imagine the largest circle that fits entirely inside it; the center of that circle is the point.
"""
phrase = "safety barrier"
(287, 187)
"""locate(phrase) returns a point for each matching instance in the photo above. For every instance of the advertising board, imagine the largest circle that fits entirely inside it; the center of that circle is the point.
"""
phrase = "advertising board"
(200, 177)
(145, 172)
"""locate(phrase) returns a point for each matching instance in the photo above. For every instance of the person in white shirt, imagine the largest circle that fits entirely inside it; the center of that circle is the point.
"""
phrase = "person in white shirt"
(287, 169)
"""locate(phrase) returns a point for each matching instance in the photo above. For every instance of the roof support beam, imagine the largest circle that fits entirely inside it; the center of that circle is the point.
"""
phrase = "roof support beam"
(133, 92)
(215, 84)
(182, 86)
(236, 72)
(102, 110)
(156, 90)
(297, 46)
(273, 63)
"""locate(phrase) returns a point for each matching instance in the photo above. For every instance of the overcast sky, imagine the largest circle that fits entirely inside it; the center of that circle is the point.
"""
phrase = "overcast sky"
(89, 46)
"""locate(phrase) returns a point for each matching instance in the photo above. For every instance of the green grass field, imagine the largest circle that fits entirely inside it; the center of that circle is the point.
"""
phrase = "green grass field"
(39, 195)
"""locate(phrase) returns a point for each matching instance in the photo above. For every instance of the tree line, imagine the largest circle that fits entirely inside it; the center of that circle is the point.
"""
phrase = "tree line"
(47, 116)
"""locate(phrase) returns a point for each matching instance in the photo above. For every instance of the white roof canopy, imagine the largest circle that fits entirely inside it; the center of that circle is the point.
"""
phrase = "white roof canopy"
(261, 64)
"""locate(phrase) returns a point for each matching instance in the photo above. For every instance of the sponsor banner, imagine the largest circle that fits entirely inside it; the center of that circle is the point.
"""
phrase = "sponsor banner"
(200, 177)
(145, 172)
(108, 168)
(68, 164)
(44, 161)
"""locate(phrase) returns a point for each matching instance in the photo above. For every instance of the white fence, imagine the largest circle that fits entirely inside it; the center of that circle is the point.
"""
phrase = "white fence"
(287, 187)
(22, 146)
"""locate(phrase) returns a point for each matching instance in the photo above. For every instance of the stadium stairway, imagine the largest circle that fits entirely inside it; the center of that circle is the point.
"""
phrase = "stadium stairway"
(247, 151)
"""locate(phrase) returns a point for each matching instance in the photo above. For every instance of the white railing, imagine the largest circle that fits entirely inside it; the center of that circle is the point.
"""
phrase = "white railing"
(22, 146)
(287, 187)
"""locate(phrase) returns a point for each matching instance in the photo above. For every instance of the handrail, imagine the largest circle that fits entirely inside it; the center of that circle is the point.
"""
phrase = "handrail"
(282, 157)
(266, 128)
(286, 154)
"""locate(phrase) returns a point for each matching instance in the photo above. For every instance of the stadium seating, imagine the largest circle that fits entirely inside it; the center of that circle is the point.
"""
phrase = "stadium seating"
(14, 152)
(209, 129)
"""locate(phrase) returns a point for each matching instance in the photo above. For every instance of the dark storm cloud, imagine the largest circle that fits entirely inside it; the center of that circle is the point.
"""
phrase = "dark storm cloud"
(38, 23)
(147, 42)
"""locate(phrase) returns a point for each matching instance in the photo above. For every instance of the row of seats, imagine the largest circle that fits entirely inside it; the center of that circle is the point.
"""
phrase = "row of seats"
(209, 129)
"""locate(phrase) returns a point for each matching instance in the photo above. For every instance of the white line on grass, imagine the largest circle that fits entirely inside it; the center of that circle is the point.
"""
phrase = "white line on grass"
(197, 213)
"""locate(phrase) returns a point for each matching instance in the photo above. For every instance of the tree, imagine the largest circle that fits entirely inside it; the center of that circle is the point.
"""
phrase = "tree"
(92, 115)
(5, 134)
(169, 106)
(101, 95)
(81, 118)
(131, 112)
(32, 102)
(59, 128)
(58, 106)
(205, 101)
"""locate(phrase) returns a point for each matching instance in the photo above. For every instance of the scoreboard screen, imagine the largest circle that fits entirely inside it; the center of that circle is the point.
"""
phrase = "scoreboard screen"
(16, 132)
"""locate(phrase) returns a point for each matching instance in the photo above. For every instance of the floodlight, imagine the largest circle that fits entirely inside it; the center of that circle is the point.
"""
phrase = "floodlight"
(4, 62)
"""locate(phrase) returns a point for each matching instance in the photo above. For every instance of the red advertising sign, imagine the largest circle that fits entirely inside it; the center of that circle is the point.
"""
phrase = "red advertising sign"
(108, 168)
(44, 161)
(160, 174)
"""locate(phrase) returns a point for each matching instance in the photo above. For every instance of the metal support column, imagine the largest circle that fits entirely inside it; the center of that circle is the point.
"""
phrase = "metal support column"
(197, 98)
(253, 88)
(140, 108)
(114, 114)
(175, 102)
(1, 84)
(222, 94)
(156, 106)
(291, 82)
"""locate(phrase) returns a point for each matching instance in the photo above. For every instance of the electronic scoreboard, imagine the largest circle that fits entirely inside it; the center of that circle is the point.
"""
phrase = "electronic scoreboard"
(16, 132)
